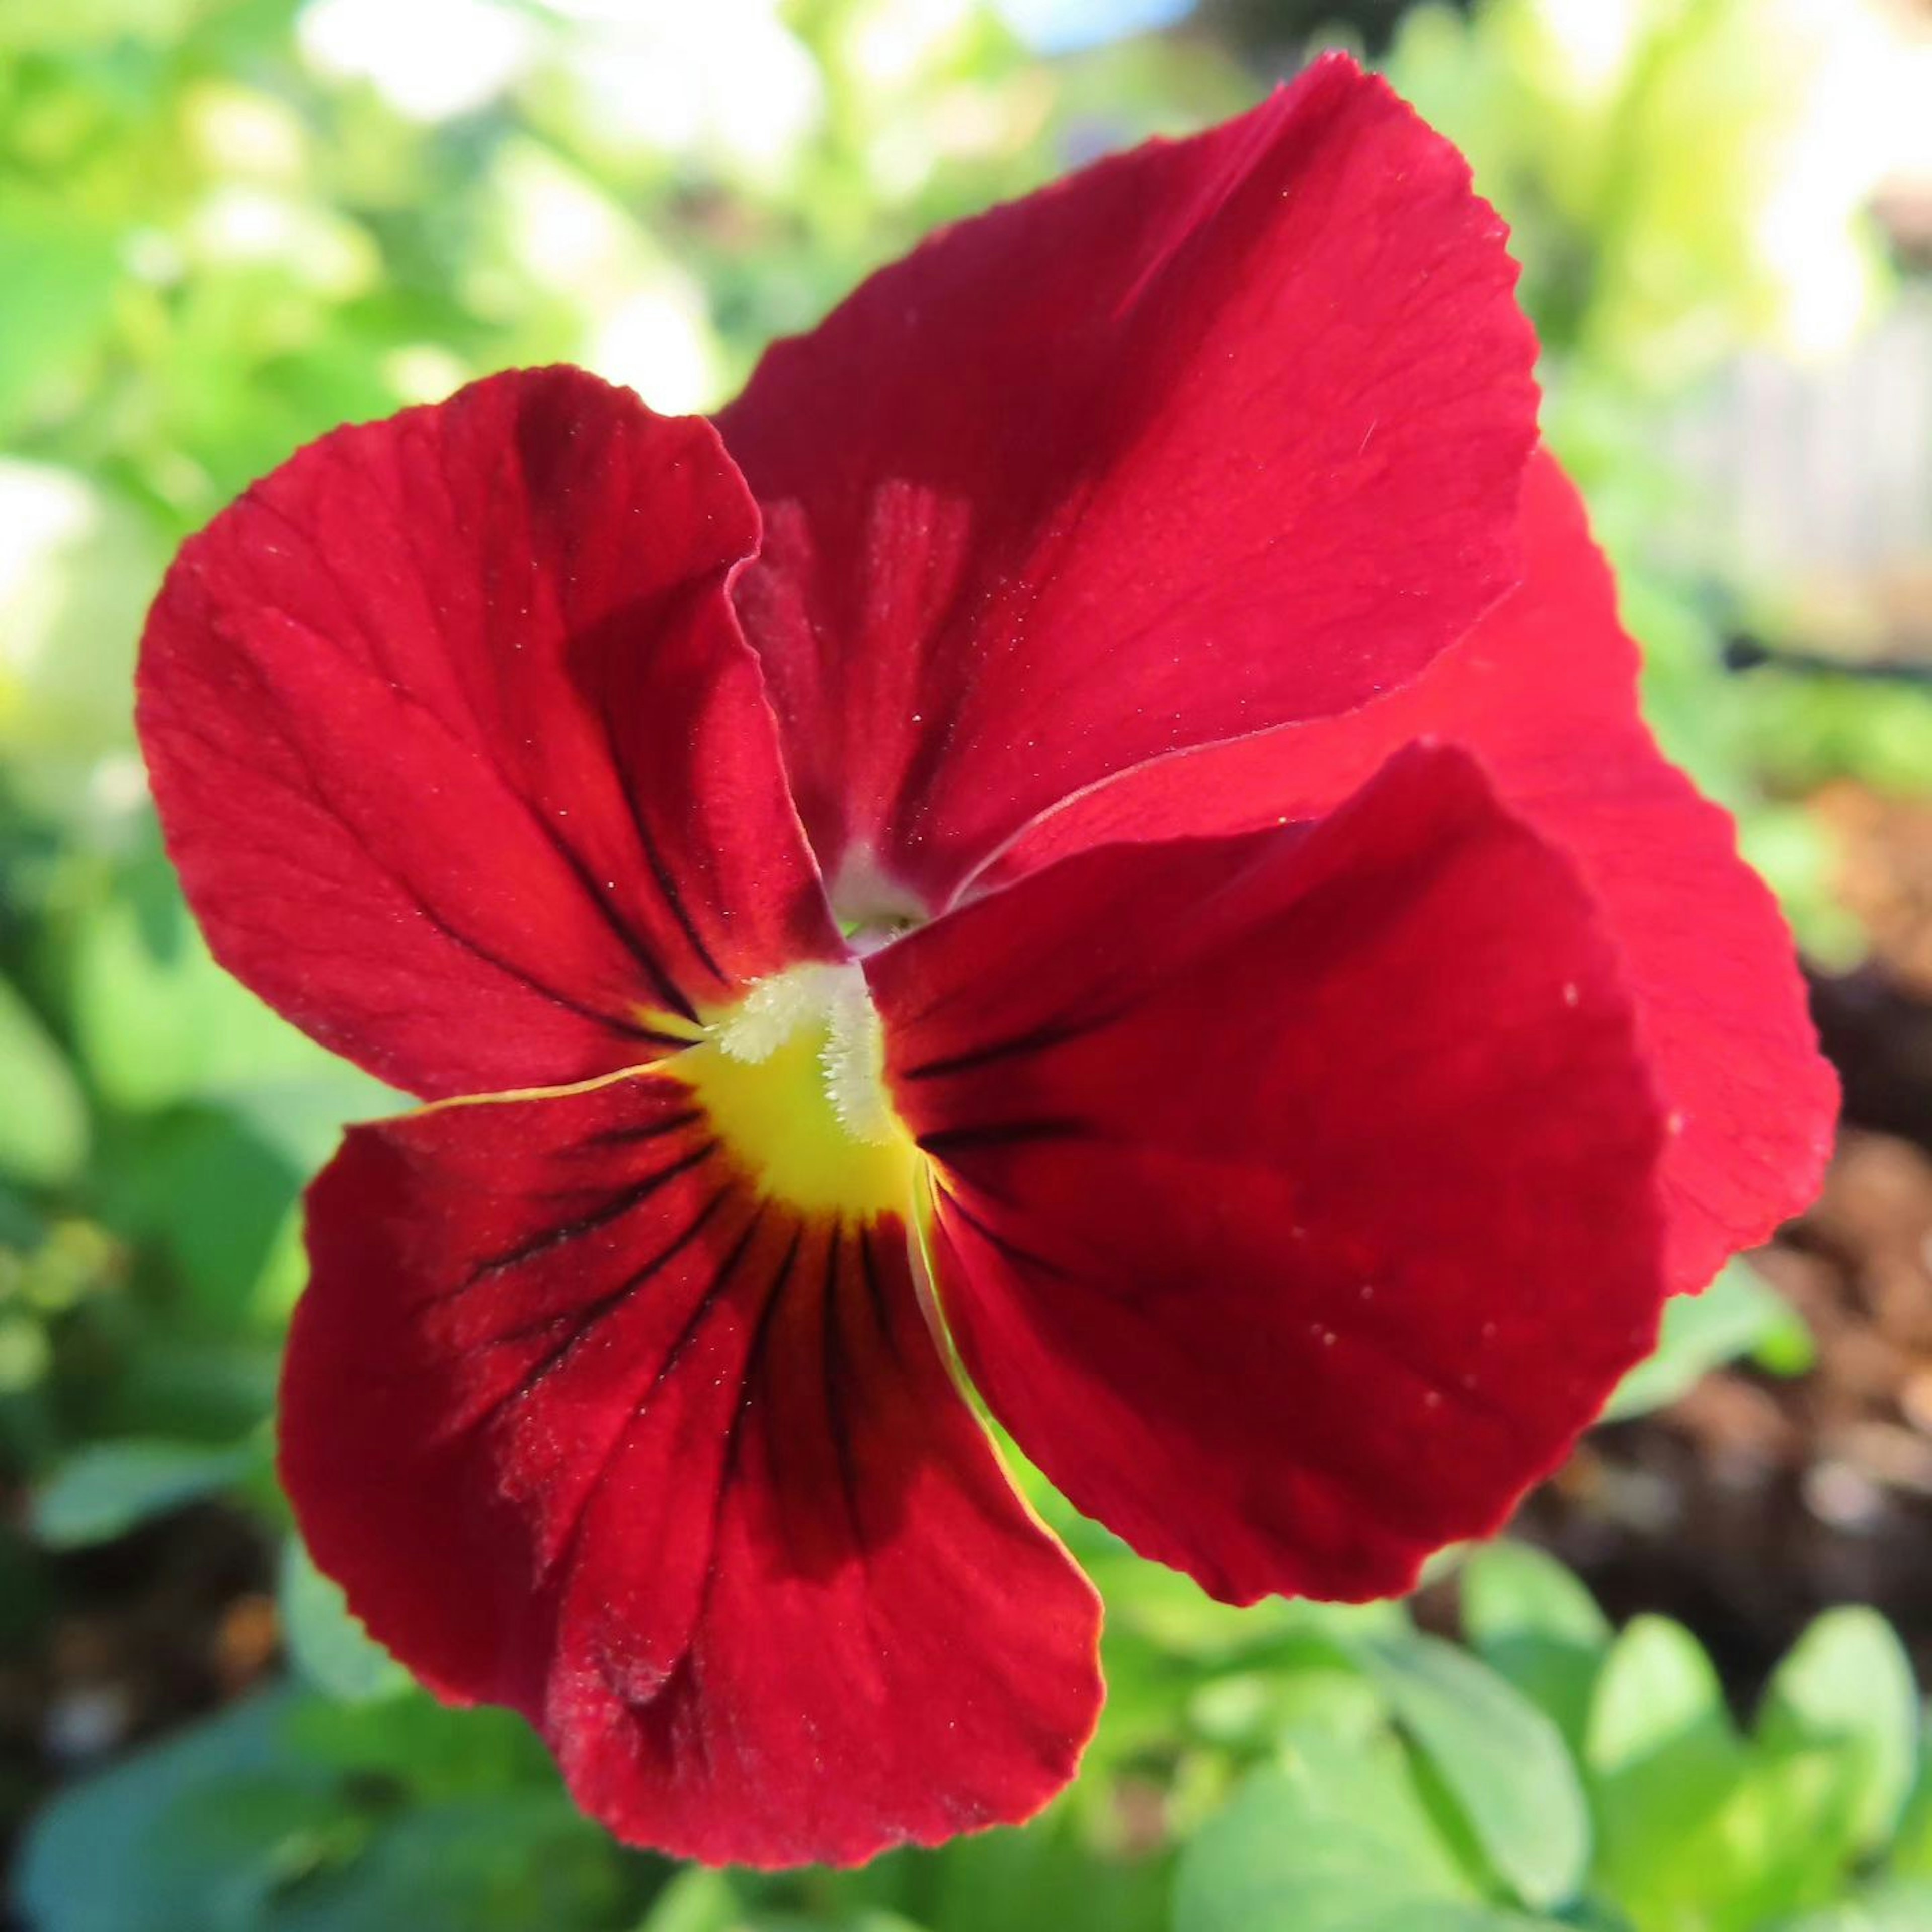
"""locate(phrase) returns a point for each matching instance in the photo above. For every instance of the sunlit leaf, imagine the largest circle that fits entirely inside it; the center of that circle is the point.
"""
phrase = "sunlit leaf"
(1532, 1622)
(1336, 1838)
(59, 272)
(44, 1128)
(105, 1490)
(1662, 1758)
(325, 1642)
(1503, 1761)
(110, 1855)
(696, 1901)
(1848, 1683)
(1739, 1314)
(1899, 1905)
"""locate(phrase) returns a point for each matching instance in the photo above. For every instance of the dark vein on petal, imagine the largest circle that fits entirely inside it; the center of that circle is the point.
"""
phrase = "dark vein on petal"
(318, 799)
(566, 1544)
(755, 1358)
(1011, 1248)
(942, 1142)
(1053, 1032)
(651, 1130)
(868, 1263)
(537, 814)
(531, 1247)
(706, 1302)
(583, 1320)
(668, 989)
(728, 1471)
(668, 889)
(832, 1360)
(633, 1197)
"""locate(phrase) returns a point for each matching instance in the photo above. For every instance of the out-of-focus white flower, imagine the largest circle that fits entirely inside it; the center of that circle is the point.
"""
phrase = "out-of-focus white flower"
(238, 223)
(1594, 41)
(430, 59)
(659, 341)
(423, 372)
(1752, 134)
(643, 321)
(239, 132)
(1838, 115)
(77, 567)
(892, 41)
(1059, 26)
(725, 77)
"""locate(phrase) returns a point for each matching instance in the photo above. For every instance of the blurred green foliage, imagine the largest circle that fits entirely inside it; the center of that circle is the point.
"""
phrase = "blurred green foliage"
(1687, 179)
(1288, 1769)
(224, 229)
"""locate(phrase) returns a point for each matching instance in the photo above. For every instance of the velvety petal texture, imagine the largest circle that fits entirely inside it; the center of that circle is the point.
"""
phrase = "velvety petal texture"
(1335, 1032)
(586, 1427)
(1297, 1194)
(463, 761)
(1213, 435)
(1544, 692)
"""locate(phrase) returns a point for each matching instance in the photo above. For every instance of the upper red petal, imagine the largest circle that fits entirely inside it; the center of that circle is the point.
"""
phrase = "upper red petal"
(1215, 434)
(1298, 1195)
(1544, 691)
(584, 1427)
(458, 749)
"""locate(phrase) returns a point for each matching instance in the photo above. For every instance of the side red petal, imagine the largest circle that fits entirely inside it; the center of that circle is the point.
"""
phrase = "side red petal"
(1296, 1205)
(584, 1427)
(1544, 692)
(1215, 434)
(463, 760)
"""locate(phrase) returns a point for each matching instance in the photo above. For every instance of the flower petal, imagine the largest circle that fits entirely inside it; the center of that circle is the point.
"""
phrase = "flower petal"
(463, 763)
(584, 1426)
(1544, 692)
(1296, 1198)
(1215, 434)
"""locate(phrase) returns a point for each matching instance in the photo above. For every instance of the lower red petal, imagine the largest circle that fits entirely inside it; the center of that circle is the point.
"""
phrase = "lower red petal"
(1297, 1198)
(585, 1427)
(1544, 692)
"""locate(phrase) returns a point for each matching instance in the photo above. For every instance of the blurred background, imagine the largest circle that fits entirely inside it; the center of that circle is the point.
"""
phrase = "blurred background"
(1683, 1700)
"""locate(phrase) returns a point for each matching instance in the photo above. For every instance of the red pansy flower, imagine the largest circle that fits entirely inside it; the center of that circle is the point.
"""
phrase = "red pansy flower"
(1096, 820)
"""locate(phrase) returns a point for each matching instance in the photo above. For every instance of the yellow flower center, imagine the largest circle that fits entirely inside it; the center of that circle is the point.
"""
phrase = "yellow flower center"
(793, 1078)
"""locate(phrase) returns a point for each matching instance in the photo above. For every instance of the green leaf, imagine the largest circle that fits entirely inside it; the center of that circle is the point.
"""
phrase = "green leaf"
(158, 1022)
(112, 1854)
(43, 1123)
(513, 1861)
(326, 1643)
(1502, 1760)
(1912, 1850)
(1894, 1905)
(1453, 1918)
(59, 271)
(77, 570)
(411, 1743)
(1532, 1622)
(1046, 1877)
(1336, 1838)
(696, 1901)
(107, 1489)
(1663, 1760)
(1848, 1684)
(1739, 1314)
(856, 1921)
(1787, 1831)
(28, 25)
(196, 1185)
